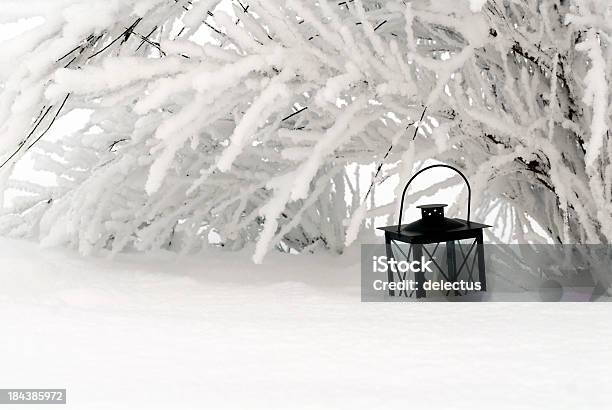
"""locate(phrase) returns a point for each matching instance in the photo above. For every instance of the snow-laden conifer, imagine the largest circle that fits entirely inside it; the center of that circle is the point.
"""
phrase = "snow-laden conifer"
(245, 120)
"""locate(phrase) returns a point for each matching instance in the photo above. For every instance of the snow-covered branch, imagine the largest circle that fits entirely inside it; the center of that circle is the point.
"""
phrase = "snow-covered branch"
(241, 120)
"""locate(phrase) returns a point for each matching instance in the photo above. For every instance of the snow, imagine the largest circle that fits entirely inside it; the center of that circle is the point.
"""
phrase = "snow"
(254, 118)
(215, 331)
(352, 231)
(110, 75)
(596, 96)
(476, 5)
(220, 100)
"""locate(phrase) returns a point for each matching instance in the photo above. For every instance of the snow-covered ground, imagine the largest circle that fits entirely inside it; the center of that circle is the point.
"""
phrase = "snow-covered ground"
(214, 331)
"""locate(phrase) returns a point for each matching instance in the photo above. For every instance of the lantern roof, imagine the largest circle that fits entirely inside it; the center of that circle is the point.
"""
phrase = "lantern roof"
(453, 229)
(428, 206)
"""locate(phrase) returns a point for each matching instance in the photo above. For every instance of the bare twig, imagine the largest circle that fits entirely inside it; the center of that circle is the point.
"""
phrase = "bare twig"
(417, 123)
(152, 43)
(129, 29)
(379, 25)
(68, 53)
(417, 127)
(111, 146)
(295, 113)
(146, 37)
(50, 124)
(22, 143)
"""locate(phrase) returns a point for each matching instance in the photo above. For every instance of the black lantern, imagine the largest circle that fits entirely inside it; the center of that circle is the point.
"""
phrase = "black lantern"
(435, 228)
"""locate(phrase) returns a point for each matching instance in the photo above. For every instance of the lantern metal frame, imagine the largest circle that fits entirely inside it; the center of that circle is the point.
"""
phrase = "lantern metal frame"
(465, 229)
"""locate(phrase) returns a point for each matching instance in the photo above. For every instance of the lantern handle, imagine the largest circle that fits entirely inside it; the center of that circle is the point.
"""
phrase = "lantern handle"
(399, 223)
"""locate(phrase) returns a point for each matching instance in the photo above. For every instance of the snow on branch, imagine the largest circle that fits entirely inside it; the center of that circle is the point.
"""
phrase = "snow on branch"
(239, 122)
